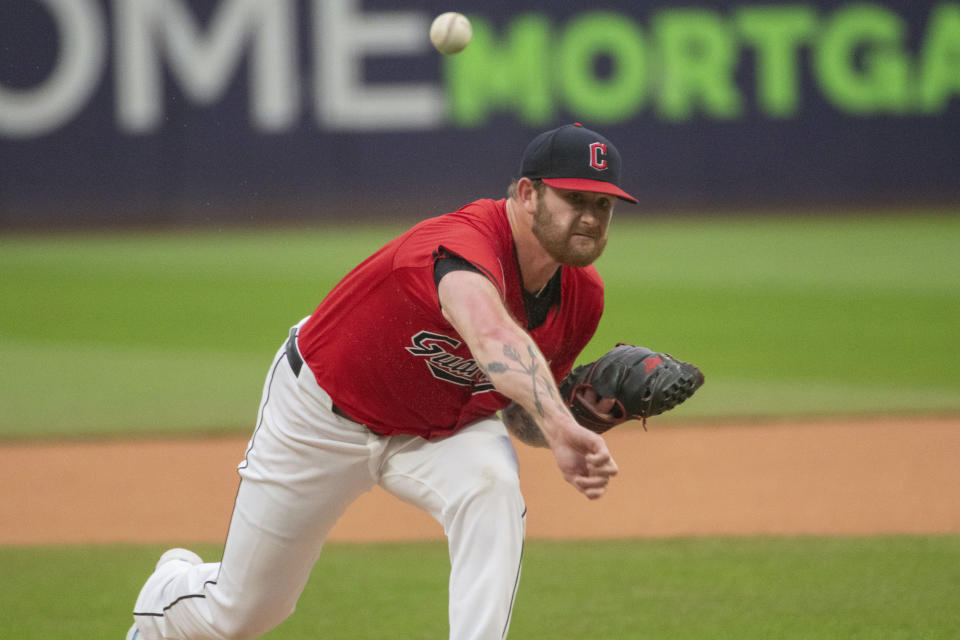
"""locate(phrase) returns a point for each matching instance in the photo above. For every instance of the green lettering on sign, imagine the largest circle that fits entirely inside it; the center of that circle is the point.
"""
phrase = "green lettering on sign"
(699, 57)
(860, 61)
(777, 33)
(603, 67)
(511, 73)
(940, 58)
(588, 38)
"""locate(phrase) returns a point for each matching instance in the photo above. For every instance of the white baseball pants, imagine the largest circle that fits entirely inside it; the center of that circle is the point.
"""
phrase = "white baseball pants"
(303, 467)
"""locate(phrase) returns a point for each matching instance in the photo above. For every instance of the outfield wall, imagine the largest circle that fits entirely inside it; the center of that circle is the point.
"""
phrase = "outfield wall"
(135, 112)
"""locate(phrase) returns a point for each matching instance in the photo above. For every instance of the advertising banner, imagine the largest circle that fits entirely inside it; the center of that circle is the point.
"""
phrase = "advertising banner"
(135, 112)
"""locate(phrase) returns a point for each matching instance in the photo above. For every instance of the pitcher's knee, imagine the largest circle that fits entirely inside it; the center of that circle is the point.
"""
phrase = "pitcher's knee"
(497, 480)
(494, 489)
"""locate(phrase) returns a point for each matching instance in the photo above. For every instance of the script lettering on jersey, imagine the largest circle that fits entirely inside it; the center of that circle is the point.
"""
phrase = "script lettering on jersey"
(432, 347)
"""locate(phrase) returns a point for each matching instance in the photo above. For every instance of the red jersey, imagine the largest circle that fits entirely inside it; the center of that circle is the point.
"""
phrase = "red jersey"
(380, 346)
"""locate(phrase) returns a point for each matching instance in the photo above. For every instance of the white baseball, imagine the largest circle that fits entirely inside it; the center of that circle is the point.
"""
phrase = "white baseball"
(450, 32)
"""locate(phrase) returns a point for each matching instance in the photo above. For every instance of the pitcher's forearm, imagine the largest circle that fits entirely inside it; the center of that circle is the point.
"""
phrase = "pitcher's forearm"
(519, 371)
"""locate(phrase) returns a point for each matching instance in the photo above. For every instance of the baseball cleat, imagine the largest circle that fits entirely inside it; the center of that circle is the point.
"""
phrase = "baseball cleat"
(170, 555)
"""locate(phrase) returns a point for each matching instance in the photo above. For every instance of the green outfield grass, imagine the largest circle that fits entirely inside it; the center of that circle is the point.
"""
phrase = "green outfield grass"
(172, 332)
(741, 589)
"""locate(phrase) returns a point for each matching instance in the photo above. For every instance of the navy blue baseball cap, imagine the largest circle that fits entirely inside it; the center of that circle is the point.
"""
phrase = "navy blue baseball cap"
(574, 157)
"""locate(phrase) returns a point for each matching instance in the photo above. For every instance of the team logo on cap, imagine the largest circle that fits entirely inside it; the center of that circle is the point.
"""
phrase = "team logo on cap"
(598, 156)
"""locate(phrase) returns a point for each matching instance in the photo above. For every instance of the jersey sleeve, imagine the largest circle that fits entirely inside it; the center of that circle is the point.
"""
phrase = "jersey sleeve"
(475, 239)
(445, 264)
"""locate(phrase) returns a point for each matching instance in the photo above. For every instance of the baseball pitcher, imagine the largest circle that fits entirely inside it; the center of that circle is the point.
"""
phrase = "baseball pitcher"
(411, 374)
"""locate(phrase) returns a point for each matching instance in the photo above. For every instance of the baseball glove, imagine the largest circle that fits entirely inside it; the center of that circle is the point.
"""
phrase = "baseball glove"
(641, 382)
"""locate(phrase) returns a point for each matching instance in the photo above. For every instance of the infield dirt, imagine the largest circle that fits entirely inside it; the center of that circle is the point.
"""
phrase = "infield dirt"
(845, 477)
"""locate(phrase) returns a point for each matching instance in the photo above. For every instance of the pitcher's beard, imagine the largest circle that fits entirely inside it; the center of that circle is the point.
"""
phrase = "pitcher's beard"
(562, 243)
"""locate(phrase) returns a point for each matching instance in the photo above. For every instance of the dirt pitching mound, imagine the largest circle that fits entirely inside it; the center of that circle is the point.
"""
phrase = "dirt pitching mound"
(861, 477)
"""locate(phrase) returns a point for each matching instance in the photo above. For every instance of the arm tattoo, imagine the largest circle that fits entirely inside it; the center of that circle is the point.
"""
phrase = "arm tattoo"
(536, 379)
(522, 426)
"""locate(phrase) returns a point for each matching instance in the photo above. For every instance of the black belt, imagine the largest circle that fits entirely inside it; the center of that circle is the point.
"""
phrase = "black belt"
(293, 354)
(295, 360)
